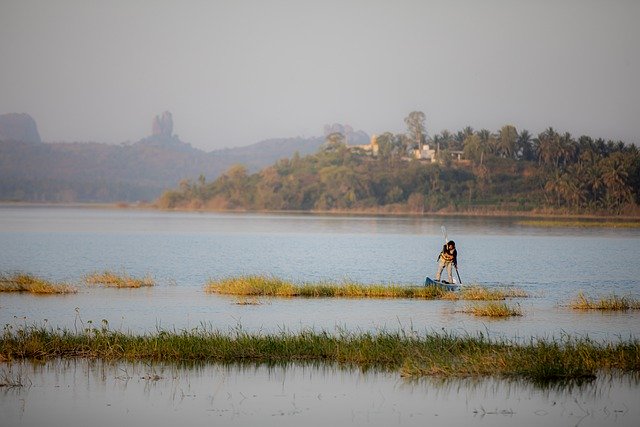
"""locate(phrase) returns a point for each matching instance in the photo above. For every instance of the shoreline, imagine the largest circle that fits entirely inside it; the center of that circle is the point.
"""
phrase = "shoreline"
(557, 217)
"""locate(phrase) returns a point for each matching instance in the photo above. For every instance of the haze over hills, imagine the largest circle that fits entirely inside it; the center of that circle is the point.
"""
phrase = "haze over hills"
(35, 171)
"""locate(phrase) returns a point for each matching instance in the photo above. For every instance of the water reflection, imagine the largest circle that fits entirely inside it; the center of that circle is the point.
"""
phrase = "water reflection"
(82, 392)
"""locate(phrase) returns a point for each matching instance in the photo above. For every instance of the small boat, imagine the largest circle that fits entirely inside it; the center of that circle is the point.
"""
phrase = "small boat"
(441, 283)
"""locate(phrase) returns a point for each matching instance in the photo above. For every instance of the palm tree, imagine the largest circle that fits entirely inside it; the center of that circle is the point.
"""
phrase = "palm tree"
(567, 149)
(506, 141)
(614, 177)
(524, 148)
(548, 147)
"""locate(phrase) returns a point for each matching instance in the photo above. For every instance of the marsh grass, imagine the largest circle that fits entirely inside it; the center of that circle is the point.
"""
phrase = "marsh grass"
(274, 287)
(24, 282)
(118, 280)
(493, 309)
(612, 303)
(403, 351)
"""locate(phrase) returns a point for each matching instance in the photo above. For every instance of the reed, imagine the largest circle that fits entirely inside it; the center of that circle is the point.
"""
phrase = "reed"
(411, 355)
(612, 302)
(252, 285)
(24, 282)
(115, 280)
(493, 309)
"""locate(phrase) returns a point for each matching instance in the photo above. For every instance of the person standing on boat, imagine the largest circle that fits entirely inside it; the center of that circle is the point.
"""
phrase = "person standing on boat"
(448, 259)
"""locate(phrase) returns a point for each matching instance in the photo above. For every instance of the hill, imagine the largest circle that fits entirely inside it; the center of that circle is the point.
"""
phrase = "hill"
(36, 171)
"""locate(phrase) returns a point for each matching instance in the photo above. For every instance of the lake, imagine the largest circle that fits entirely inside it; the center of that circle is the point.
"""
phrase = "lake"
(182, 251)
(94, 393)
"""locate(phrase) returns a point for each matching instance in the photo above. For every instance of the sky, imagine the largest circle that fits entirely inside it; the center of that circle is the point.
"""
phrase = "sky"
(236, 72)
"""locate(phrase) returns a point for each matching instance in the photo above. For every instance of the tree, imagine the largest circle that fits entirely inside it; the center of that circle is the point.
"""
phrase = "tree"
(473, 148)
(524, 148)
(389, 146)
(548, 147)
(334, 141)
(506, 141)
(614, 176)
(416, 127)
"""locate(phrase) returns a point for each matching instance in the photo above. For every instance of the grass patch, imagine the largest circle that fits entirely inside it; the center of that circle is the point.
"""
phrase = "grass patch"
(580, 223)
(115, 280)
(24, 282)
(274, 287)
(493, 309)
(411, 355)
(612, 302)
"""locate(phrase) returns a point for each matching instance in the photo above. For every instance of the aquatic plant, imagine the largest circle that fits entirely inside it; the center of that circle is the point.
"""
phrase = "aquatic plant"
(493, 309)
(612, 302)
(412, 355)
(256, 285)
(115, 280)
(25, 282)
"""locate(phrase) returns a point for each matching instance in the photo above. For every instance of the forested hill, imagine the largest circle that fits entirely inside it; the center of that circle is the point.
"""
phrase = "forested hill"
(98, 172)
(472, 171)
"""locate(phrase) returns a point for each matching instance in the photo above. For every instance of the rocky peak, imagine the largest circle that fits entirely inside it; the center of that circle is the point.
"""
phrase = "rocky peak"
(162, 125)
(19, 127)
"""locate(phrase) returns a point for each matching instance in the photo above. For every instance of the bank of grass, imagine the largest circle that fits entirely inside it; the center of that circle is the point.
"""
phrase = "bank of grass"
(25, 282)
(117, 280)
(266, 286)
(579, 223)
(407, 353)
(607, 303)
(493, 309)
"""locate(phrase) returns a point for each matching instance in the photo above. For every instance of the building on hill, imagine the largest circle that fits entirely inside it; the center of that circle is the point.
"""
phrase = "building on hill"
(425, 152)
(371, 148)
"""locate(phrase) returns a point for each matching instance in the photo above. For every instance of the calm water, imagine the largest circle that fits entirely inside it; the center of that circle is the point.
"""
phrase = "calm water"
(184, 250)
(83, 393)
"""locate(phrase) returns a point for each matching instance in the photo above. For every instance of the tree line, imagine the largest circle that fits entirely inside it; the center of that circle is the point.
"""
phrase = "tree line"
(504, 170)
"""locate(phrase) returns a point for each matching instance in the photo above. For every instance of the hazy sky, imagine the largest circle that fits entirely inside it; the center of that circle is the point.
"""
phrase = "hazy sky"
(236, 72)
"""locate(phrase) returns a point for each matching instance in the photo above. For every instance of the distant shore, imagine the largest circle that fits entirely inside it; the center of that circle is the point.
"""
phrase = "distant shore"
(529, 218)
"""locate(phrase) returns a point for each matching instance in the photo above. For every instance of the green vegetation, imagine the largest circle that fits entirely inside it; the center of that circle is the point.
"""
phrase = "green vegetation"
(24, 282)
(275, 287)
(473, 171)
(493, 309)
(414, 356)
(115, 280)
(612, 303)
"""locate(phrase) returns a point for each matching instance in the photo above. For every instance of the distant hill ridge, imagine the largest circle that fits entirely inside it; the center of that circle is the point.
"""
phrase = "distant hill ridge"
(19, 128)
(31, 170)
